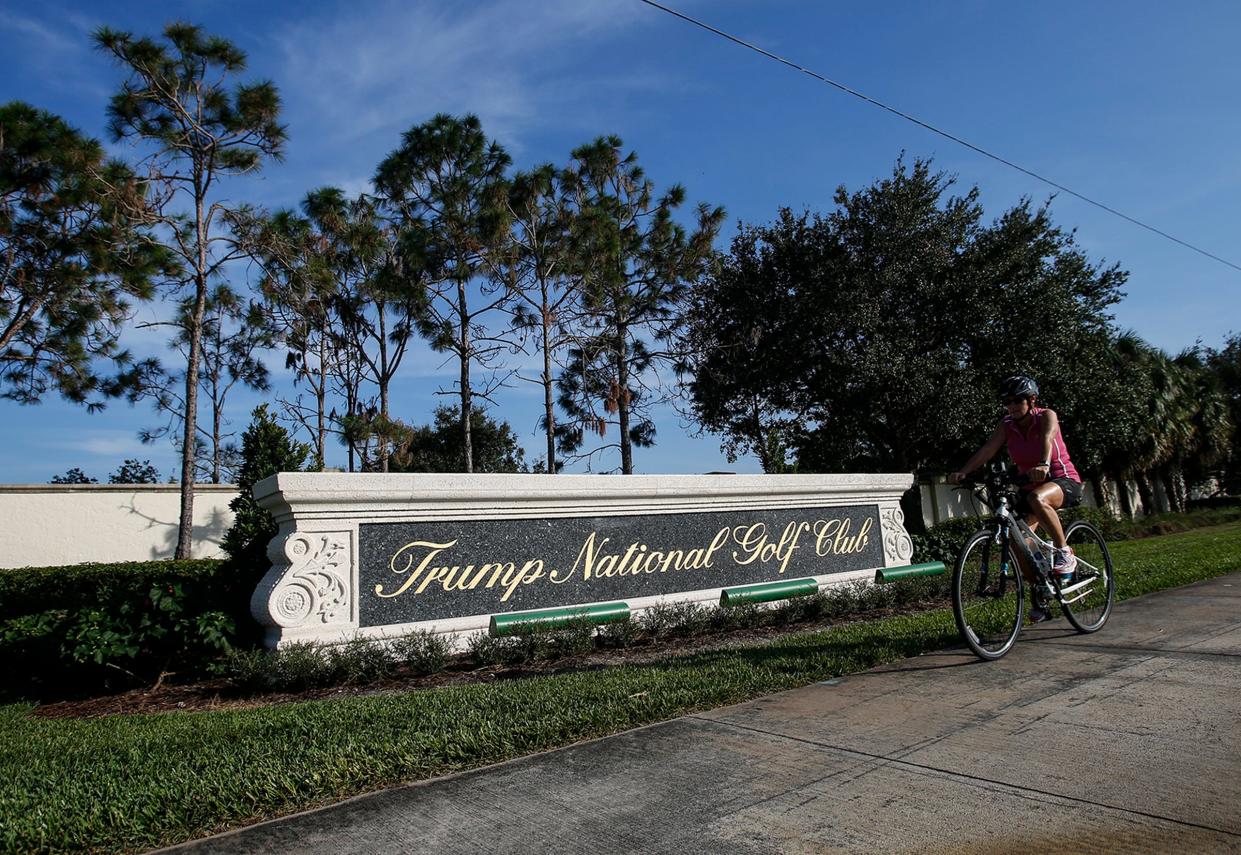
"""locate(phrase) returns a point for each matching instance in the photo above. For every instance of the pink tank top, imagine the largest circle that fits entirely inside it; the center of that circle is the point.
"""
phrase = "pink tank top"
(1026, 448)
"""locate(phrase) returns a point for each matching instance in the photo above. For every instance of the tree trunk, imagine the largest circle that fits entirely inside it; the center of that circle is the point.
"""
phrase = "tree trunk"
(1122, 495)
(463, 313)
(1145, 492)
(1182, 488)
(217, 420)
(321, 405)
(189, 437)
(1169, 488)
(761, 440)
(1102, 493)
(622, 405)
(548, 408)
(351, 405)
(383, 389)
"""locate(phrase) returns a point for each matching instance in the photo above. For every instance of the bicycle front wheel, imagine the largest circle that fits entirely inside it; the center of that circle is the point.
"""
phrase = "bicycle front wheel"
(1087, 598)
(987, 596)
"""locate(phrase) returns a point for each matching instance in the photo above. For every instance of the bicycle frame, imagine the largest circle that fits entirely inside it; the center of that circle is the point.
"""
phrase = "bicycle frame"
(1013, 531)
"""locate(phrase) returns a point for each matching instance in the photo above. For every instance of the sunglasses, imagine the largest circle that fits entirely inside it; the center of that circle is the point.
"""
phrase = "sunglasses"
(1009, 402)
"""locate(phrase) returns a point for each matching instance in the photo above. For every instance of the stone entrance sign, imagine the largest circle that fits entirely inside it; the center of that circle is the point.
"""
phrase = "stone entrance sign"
(380, 555)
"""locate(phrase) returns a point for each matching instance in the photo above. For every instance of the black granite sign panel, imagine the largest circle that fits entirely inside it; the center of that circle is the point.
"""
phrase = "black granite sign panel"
(419, 571)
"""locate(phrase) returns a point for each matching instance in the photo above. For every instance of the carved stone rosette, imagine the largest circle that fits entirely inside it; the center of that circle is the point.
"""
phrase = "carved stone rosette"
(312, 586)
(898, 547)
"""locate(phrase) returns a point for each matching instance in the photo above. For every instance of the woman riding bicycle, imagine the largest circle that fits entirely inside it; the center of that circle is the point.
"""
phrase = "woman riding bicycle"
(1037, 447)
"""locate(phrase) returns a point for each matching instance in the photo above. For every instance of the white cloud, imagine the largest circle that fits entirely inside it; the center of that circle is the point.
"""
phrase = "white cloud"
(384, 67)
(47, 37)
(99, 443)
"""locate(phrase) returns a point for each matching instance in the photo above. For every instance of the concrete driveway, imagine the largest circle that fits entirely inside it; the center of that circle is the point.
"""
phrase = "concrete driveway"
(1128, 740)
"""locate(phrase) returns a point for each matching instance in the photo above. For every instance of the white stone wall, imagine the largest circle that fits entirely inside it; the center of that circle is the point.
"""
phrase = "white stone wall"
(46, 525)
(942, 501)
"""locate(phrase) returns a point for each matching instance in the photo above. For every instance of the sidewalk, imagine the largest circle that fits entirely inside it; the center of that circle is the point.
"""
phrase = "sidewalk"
(1126, 740)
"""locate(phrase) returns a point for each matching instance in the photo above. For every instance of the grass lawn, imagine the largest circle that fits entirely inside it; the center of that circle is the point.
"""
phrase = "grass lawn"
(134, 782)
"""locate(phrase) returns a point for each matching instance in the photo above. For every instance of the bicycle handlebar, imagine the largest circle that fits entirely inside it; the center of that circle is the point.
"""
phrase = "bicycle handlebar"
(994, 481)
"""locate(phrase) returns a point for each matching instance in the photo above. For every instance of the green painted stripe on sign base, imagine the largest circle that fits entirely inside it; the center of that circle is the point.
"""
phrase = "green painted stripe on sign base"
(768, 591)
(507, 624)
(892, 574)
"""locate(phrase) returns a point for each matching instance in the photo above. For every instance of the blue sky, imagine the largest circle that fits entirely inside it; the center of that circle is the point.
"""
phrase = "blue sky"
(1131, 103)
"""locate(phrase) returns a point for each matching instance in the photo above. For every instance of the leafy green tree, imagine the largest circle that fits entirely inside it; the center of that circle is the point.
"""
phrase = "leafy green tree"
(436, 447)
(873, 337)
(743, 328)
(134, 471)
(1212, 426)
(1187, 428)
(379, 303)
(73, 476)
(445, 187)
(543, 270)
(197, 133)
(1103, 412)
(1225, 364)
(302, 301)
(266, 449)
(72, 258)
(640, 263)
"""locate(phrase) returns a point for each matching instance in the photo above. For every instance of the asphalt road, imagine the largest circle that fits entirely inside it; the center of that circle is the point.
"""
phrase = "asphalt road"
(1128, 740)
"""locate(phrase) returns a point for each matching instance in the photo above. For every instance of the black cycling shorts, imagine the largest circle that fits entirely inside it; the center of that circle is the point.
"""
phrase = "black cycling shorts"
(1072, 495)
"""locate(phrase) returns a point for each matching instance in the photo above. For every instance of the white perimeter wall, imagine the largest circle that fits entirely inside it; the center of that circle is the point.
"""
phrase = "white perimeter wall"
(45, 525)
(942, 501)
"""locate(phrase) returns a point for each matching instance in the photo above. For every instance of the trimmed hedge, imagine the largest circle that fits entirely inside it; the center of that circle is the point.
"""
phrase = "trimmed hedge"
(29, 590)
(92, 627)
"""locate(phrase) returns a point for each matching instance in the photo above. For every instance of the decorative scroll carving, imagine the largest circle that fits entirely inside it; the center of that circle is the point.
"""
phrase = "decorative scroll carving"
(314, 586)
(898, 547)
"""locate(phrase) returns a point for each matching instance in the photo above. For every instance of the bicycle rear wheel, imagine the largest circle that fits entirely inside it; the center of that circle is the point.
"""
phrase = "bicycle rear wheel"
(1087, 599)
(987, 596)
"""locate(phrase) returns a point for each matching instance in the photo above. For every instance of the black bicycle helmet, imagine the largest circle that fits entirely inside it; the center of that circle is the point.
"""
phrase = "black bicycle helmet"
(1018, 386)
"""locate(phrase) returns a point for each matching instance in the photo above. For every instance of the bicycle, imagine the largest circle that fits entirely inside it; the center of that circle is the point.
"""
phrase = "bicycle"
(988, 598)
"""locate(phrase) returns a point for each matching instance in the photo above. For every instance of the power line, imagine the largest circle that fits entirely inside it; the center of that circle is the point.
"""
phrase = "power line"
(958, 140)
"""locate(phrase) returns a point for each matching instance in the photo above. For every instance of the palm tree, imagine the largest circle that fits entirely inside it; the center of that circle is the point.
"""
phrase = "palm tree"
(1212, 424)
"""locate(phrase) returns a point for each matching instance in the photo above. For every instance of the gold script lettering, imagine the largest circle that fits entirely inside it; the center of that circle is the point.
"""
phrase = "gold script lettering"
(435, 549)
(832, 536)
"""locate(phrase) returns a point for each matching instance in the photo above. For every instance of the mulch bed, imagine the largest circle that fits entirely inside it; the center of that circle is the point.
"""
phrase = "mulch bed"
(219, 694)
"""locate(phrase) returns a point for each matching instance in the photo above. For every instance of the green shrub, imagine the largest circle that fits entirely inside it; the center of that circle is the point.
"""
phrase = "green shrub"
(521, 648)
(532, 643)
(422, 652)
(359, 661)
(799, 610)
(744, 616)
(675, 620)
(621, 633)
(247, 669)
(266, 449)
(30, 590)
(574, 639)
(839, 601)
(486, 650)
(85, 628)
(944, 541)
(299, 666)
(922, 589)
(295, 667)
